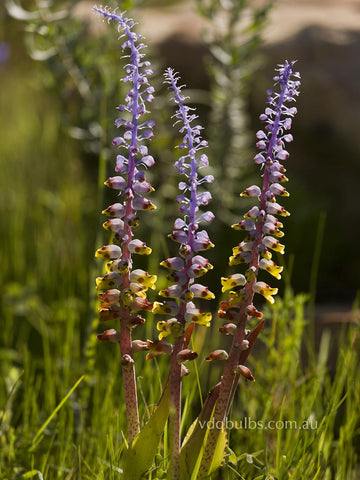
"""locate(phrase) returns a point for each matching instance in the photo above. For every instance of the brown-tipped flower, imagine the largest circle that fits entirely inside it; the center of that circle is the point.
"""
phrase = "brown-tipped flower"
(228, 329)
(140, 303)
(110, 335)
(217, 355)
(113, 312)
(135, 320)
(158, 347)
(126, 360)
(186, 355)
(184, 371)
(251, 311)
(244, 345)
(109, 297)
(139, 346)
(229, 314)
(245, 372)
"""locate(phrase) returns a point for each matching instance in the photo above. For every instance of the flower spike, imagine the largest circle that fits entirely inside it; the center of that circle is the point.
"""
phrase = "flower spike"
(260, 222)
(130, 166)
(122, 289)
(189, 265)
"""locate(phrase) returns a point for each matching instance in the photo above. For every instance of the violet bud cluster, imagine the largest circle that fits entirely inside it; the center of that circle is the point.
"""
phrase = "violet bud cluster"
(261, 224)
(189, 265)
(122, 287)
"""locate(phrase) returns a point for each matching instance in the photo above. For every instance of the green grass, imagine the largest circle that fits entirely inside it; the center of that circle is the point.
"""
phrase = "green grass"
(62, 412)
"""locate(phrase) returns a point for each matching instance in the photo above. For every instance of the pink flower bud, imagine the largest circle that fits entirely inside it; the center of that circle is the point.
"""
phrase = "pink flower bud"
(117, 183)
(245, 372)
(115, 210)
(186, 355)
(109, 297)
(228, 329)
(108, 251)
(112, 312)
(217, 355)
(110, 335)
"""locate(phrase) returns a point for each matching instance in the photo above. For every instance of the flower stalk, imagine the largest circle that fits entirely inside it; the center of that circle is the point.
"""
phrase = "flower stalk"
(189, 265)
(262, 227)
(122, 290)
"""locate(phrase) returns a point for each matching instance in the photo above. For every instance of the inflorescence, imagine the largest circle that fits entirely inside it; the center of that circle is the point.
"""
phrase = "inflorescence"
(122, 288)
(189, 264)
(262, 227)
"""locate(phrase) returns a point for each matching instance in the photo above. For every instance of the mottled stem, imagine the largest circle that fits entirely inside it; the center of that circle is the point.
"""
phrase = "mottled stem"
(129, 382)
(175, 411)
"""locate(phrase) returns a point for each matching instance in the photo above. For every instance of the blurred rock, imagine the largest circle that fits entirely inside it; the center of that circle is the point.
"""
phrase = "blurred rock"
(324, 167)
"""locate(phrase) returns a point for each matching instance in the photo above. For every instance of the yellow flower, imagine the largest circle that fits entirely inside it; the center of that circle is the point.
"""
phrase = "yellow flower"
(265, 290)
(201, 318)
(271, 267)
(144, 278)
(236, 280)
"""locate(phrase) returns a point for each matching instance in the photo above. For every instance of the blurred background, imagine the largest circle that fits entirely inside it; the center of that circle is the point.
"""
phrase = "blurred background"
(60, 71)
(59, 76)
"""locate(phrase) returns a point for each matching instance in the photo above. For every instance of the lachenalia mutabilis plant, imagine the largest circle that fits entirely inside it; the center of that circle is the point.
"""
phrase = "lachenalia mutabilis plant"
(262, 229)
(189, 265)
(122, 290)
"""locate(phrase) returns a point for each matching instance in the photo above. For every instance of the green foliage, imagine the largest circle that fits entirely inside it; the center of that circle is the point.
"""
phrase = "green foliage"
(140, 454)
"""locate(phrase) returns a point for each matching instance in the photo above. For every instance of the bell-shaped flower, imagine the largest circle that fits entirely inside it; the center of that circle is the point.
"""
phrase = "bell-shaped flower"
(117, 183)
(228, 329)
(195, 315)
(114, 225)
(245, 372)
(265, 290)
(202, 242)
(200, 291)
(173, 263)
(109, 297)
(121, 265)
(165, 308)
(144, 278)
(115, 210)
(139, 346)
(169, 327)
(185, 356)
(253, 191)
(232, 281)
(271, 267)
(239, 258)
(110, 335)
(141, 203)
(109, 281)
(108, 251)
(158, 347)
(276, 209)
(112, 312)
(217, 355)
(139, 247)
(174, 291)
(274, 244)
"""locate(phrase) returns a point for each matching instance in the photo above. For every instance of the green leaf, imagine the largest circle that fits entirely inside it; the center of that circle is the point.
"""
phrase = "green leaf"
(195, 439)
(38, 437)
(140, 455)
(218, 455)
(231, 456)
(192, 450)
(32, 474)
